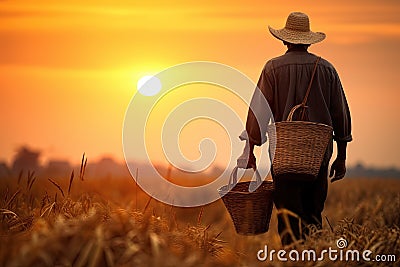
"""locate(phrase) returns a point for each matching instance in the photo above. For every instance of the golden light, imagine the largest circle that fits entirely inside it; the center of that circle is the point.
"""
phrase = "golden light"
(149, 85)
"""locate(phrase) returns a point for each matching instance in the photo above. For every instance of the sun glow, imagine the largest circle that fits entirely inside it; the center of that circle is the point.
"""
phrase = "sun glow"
(149, 85)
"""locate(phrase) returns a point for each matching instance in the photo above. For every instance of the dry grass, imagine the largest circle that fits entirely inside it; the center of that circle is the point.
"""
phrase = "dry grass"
(109, 222)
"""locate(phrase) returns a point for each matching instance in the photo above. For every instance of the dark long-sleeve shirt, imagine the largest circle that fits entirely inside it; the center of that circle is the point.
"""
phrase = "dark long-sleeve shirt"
(284, 81)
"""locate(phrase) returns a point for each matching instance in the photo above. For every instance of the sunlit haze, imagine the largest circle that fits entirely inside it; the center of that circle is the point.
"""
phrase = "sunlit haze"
(68, 69)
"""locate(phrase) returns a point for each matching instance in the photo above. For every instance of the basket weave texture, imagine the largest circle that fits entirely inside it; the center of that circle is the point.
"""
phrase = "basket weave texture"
(250, 211)
(300, 147)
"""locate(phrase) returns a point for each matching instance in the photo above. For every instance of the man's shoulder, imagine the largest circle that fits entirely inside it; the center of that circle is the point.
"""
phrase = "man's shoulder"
(296, 59)
(276, 61)
(326, 63)
(272, 63)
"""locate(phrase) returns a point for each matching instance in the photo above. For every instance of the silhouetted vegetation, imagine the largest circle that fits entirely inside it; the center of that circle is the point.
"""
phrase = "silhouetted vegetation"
(76, 221)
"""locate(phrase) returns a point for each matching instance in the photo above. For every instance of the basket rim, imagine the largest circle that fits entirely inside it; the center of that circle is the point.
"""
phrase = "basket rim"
(224, 191)
(305, 122)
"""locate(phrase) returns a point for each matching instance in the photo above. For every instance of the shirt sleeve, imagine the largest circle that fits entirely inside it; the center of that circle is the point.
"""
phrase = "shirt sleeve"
(340, 113)
(259, 114)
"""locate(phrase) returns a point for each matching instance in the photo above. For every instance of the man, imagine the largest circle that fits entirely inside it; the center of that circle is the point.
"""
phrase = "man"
(283, 83)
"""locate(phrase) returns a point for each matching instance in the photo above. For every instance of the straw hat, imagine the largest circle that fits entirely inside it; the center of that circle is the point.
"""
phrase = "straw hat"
(297, 30)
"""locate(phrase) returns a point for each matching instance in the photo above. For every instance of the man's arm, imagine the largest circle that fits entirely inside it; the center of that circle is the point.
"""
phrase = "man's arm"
(338, 167)
(341, 147)
(341, 122)
(258, 116)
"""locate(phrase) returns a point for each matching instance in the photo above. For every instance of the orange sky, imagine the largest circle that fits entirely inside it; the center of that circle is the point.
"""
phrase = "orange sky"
(68, 70)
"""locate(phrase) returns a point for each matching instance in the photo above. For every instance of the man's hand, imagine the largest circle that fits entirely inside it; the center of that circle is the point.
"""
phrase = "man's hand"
(339, 169)
(247, 161)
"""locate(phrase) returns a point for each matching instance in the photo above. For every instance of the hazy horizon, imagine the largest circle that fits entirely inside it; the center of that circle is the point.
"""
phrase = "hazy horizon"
(44, 161)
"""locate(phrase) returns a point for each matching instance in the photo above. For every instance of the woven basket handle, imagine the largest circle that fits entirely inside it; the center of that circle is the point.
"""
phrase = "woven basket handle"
(303, 104)
(233, 178)
(293, 110)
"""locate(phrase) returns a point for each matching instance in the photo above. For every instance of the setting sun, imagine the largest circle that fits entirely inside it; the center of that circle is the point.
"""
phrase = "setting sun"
(149, 85)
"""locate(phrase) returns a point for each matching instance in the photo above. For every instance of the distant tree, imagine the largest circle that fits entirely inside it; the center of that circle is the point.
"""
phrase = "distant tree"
(26, 159)
(4, 171)
(58, 168)
(107, 167)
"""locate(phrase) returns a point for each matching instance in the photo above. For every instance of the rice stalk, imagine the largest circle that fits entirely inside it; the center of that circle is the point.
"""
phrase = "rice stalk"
(147, 205)
(48, 209)
(6, 194)
(330, 225)
(21, 172)
(57, 185)
(200, 215)
(70, 182)
(12, 198)
(8, 212)
(31, 183)
(30, 177)
(83, 166)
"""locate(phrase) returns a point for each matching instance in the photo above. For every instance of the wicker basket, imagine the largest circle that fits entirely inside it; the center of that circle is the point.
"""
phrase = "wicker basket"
(249, 204)
(300, 147)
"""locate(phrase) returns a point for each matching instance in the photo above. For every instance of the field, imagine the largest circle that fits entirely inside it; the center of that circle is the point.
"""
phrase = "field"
(76, 221)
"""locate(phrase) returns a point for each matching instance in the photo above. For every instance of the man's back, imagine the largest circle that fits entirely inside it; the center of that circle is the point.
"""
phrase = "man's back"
(284, 81)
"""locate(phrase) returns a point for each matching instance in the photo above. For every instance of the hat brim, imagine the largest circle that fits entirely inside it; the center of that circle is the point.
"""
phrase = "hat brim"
(297, 37)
